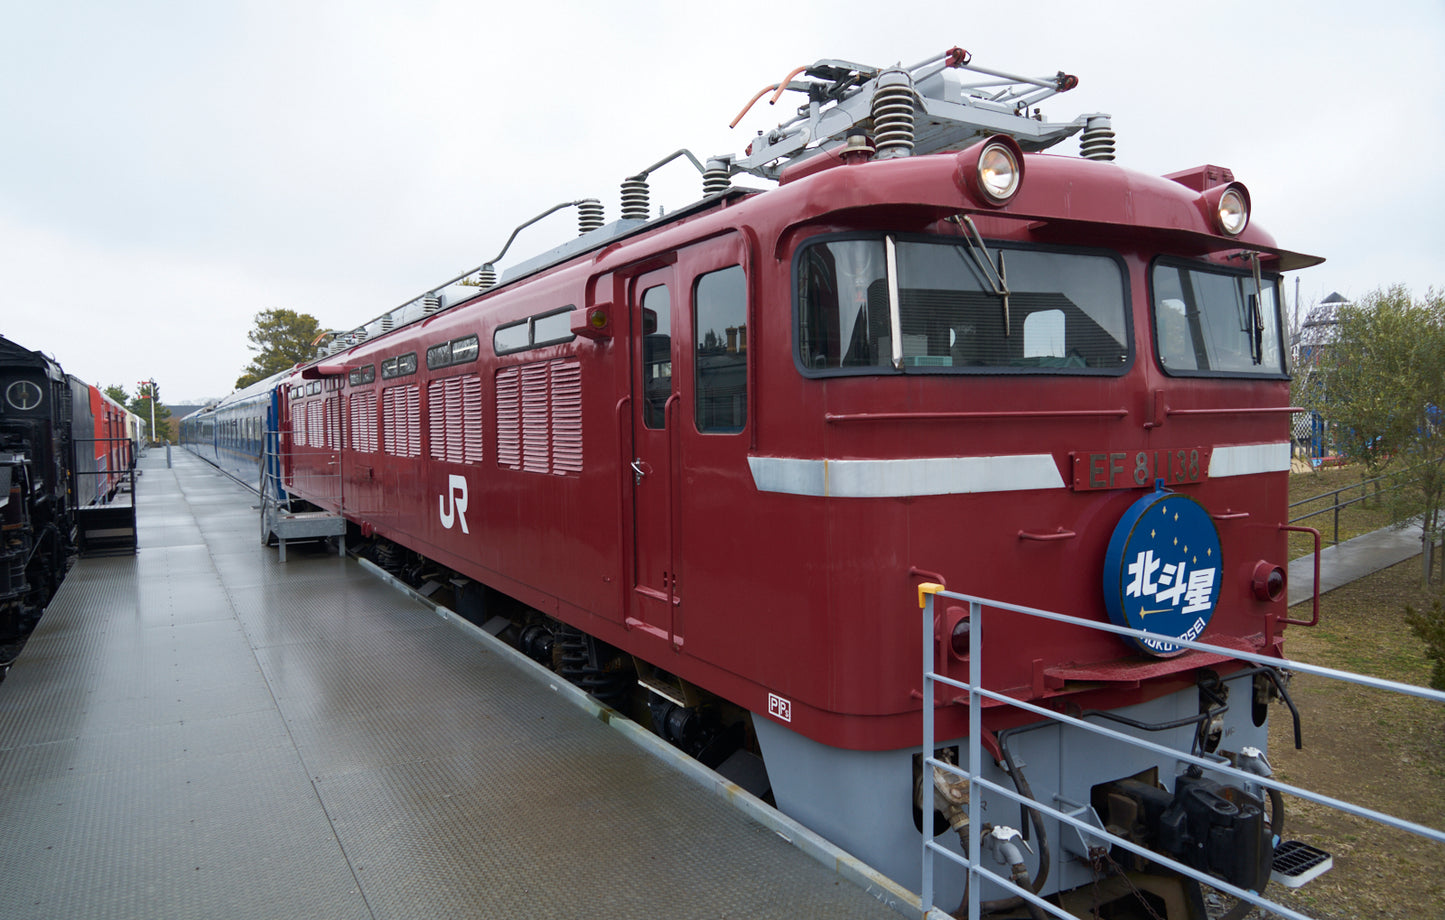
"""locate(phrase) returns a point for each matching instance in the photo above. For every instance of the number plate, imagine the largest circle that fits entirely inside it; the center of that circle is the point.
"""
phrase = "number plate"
(1138, 469)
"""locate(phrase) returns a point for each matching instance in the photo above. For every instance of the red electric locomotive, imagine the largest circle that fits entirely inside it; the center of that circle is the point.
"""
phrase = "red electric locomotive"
(109, 449)
(709, 457)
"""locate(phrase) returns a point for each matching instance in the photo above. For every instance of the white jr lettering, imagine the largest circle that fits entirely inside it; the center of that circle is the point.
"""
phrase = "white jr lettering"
(452, 507)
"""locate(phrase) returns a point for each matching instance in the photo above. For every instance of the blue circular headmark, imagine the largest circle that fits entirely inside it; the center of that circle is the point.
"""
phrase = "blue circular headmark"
(1162, 570)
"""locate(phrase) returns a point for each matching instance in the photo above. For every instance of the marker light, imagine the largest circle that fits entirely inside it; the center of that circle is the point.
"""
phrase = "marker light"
(958, 638)
(998, 172)
(593, 323)
(1268, 581)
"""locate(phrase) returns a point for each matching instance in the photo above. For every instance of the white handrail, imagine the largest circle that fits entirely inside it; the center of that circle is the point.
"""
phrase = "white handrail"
(972, 768)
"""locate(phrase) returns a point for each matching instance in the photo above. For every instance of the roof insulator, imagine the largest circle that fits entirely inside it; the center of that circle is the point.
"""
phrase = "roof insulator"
(635, 205)
(1097, 141)
(589, 216)
(892, 109)
(715, 179)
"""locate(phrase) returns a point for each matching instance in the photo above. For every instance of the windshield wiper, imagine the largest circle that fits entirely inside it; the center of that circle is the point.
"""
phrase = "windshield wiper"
(1254, 309)
(994, 276)
(1258, 310)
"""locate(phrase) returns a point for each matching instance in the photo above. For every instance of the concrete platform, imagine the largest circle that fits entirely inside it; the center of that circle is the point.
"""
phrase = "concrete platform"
(1351, 560)
(201, 731)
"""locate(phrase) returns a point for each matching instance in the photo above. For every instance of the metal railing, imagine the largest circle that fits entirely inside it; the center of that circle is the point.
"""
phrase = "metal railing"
(972, 766)
(1336, 505)
(278, 519)
(105, 524)
(275, 475)
(97, 482)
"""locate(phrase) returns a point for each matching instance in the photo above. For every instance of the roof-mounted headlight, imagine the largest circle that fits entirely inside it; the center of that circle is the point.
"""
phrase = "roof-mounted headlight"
(1233, 211)
(998, 172)
(992, 170)
(1229, 205)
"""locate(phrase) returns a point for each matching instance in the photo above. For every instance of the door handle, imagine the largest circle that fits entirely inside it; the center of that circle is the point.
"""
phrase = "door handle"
(637, 471)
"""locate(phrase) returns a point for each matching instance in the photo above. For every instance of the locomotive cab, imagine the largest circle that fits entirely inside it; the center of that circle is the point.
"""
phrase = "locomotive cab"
(1052, 408)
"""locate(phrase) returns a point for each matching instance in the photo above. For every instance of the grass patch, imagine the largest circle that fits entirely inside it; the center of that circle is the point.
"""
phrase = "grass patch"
(1381, 750)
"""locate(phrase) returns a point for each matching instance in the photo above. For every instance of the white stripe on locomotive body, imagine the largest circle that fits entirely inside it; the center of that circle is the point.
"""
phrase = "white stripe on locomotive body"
(910, 477)
(1248, 459)
(919, 476)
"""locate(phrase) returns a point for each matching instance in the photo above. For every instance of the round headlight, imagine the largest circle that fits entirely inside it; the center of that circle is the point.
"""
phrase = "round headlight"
(998, 172)
(1233, 212)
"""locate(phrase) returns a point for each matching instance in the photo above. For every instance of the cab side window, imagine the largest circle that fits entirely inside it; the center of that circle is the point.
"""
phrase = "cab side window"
(720, 329)
(656, 355)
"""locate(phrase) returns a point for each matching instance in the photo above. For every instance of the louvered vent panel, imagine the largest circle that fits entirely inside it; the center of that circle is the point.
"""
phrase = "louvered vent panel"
(363, 422)
(374, 435)
(366, 422)
(372, 421)
(566, 417)
(535, 453)
(298, 424)
(455, 434)
(356, 420)
(436, 418)
(315, 430)
(413, 420)
(389, 412)
(472, 418)
(333, 422)
(509, 418)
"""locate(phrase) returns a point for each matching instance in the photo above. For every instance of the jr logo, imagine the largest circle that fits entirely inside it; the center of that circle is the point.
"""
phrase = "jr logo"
(453, 505)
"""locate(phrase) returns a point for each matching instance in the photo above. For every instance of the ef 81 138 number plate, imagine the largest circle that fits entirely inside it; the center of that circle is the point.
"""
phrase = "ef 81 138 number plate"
(1138, 469)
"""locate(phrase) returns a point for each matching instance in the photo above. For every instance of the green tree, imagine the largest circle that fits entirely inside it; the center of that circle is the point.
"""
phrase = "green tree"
(117, 392)
(1429, 627)
(1380, 381)
(281, 339)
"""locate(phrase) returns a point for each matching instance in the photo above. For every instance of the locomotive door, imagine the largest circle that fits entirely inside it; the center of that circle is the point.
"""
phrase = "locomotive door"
(654, 429)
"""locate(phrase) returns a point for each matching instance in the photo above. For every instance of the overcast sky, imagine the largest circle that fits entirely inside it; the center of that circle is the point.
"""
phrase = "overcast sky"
(172, 168)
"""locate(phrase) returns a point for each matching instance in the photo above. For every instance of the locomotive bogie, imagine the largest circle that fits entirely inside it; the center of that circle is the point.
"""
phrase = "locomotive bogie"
(868, 797)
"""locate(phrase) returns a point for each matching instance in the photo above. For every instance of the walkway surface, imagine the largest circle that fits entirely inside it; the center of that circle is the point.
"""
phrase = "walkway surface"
(200, 731)
(1353, 559)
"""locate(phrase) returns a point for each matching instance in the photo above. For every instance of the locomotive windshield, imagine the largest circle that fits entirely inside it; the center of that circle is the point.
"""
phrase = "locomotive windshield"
(1064, 312)
(1216, 323)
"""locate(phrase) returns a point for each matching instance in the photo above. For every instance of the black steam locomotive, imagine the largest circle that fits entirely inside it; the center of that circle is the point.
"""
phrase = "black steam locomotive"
(56, 456)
